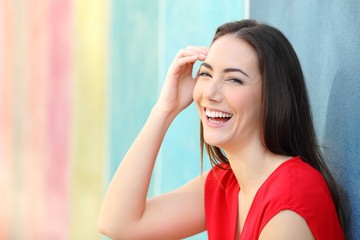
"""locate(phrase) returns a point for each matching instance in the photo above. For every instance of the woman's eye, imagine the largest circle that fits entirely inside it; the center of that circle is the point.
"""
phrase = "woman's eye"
(204, 74)
(235, 80)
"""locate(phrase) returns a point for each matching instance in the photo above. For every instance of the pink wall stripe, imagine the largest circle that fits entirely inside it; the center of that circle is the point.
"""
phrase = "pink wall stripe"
(6, 176)
(58, 119)
(35, 143)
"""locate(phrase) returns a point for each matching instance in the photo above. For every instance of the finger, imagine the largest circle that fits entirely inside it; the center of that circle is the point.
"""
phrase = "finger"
(200, 49)
(197, 50)
(186, 53)
(192, 50)
(184, 64)
(187, 59)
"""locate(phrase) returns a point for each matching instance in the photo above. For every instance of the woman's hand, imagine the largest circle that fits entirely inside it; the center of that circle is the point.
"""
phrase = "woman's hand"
(177, 90)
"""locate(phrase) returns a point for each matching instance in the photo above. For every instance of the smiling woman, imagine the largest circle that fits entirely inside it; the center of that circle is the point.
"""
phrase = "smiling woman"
(250, 93)
(231, 84)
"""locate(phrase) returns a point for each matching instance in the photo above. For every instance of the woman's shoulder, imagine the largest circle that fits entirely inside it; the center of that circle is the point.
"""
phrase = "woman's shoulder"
(300, 178)
(295, 185)
(298, 187)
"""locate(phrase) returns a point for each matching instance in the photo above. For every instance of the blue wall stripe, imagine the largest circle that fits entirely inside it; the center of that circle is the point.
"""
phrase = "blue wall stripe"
(326, 38)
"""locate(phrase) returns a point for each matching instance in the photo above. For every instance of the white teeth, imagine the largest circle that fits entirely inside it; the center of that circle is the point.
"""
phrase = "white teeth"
(215, 114)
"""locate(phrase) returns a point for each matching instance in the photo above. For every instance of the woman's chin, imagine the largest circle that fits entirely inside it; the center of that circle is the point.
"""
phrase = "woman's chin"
(213, 142)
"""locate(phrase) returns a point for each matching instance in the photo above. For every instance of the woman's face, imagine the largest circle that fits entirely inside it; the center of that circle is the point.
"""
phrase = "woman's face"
(228, 94)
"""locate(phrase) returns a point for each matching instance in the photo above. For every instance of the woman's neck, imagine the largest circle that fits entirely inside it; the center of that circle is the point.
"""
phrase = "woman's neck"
(252, 166)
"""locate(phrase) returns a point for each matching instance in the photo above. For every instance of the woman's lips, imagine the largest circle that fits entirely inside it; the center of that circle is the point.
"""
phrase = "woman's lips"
(217, 118)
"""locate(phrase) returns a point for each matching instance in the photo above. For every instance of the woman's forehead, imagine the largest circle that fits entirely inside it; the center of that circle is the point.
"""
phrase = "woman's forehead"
(230, 51)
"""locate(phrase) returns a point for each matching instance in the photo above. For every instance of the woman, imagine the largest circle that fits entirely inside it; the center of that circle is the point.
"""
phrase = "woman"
(257, 128)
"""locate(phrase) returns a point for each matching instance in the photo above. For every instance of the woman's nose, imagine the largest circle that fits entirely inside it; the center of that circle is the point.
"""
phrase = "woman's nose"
(213, 91)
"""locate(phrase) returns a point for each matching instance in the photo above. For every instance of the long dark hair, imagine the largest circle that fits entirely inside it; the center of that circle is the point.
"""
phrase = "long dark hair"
(287, 121)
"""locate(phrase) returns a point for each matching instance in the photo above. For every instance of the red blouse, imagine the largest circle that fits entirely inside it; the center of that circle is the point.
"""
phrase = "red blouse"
(294, 186)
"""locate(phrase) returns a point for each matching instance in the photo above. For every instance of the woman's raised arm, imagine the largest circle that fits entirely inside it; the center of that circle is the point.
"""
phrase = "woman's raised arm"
(126, 213)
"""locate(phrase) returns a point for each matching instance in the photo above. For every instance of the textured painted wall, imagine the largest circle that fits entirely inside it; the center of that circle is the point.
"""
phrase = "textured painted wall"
(326, 37)
(52, 117)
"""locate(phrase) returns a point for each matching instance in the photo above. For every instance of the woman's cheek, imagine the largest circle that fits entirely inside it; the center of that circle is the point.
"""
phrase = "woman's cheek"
(197, 96)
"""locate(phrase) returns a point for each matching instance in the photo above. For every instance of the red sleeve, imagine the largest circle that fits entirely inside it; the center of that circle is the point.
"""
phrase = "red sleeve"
(302, 189)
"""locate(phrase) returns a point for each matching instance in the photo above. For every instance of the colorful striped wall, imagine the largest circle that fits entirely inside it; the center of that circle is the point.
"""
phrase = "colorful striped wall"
(53, 80)
(77, 80)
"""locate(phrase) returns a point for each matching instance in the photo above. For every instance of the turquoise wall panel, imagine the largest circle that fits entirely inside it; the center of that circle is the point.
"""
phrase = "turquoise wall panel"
(326, 36)
(133, 72)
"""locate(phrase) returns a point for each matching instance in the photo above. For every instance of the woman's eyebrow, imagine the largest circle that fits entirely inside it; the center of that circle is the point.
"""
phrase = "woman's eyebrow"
(226, 70)
(206, 65)
(235, 70)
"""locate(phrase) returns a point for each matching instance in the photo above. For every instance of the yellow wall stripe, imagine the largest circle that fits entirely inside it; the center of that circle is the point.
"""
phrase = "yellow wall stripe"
(89, 116)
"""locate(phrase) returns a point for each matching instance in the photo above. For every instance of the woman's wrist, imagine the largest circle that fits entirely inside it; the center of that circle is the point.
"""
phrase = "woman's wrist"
(164, 112)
